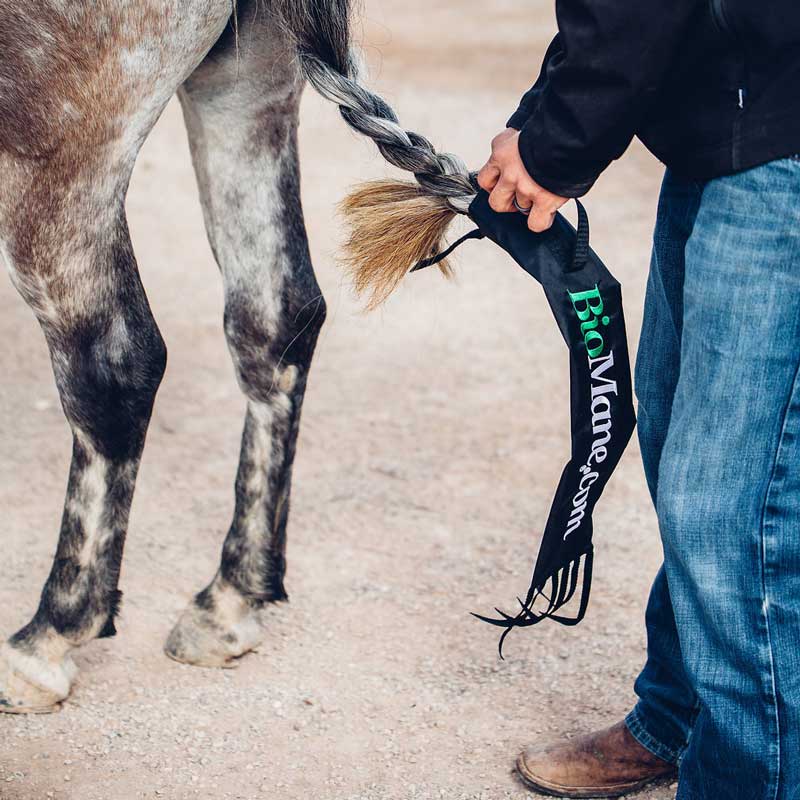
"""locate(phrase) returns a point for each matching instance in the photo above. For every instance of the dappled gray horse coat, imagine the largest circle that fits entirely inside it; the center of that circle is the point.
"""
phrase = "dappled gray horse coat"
(81, 85)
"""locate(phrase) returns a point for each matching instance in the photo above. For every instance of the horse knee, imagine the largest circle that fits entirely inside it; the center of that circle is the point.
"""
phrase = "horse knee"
(272, 345)
(108, 368)
(78, 274)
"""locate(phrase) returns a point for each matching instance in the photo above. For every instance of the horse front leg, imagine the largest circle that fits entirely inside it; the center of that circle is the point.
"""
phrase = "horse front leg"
(108, 359)
(241, 114)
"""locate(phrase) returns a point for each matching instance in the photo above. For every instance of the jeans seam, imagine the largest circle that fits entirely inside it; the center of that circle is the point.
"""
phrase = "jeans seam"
(695, 715)
(639, 732)
(765, 597)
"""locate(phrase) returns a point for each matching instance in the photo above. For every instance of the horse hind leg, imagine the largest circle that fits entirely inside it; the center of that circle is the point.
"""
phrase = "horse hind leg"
(108, 359)
(103, 74)
(241, 114)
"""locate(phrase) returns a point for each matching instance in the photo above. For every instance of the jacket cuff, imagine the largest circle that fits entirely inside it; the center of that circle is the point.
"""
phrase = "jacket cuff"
(561, 184)
(518, 119)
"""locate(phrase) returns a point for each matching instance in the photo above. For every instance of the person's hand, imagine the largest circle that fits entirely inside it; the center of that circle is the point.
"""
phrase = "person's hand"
(505, 178)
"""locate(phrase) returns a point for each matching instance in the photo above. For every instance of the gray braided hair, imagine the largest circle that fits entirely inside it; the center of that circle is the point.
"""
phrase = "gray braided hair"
(441, 174)
(393, 224)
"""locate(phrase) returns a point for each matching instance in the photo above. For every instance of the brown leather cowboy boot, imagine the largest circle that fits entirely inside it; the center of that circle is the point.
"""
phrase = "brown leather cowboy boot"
(609, 763)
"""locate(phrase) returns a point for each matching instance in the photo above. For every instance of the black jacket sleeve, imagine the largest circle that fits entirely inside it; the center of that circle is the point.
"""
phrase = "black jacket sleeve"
(600, 75)
(528, 102)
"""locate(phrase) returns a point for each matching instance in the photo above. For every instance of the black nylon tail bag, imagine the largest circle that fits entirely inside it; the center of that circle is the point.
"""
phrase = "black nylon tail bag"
(586, 301)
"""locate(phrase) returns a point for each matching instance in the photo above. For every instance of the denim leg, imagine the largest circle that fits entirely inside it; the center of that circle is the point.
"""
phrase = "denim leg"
(662, 719)
(728, 489)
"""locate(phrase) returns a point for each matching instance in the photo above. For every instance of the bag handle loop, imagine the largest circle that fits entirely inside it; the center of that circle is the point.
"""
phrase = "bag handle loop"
(579, 258)
(581, 239)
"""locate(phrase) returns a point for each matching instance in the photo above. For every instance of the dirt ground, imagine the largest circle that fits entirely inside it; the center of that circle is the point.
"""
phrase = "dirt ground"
(433, 436)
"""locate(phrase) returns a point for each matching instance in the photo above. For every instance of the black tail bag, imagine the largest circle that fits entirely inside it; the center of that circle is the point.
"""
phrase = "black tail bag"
(586, 301)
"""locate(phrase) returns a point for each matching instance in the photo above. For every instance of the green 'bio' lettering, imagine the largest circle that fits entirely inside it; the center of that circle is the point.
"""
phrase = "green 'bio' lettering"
(588, 307)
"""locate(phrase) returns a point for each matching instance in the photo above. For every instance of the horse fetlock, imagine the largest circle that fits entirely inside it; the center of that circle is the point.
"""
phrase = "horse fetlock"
(35, 678)
(218, 626)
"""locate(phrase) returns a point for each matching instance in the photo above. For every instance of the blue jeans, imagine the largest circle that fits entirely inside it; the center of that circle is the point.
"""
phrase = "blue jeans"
(719, 425)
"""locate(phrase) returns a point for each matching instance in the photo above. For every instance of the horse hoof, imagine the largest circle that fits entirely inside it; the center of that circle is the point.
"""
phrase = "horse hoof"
(31, 685)
(215, 636)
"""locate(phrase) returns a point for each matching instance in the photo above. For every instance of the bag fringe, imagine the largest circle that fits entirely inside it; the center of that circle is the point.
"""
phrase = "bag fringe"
(563, 586)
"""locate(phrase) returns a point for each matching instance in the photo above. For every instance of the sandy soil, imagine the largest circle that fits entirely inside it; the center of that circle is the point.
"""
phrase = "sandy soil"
(434, 432)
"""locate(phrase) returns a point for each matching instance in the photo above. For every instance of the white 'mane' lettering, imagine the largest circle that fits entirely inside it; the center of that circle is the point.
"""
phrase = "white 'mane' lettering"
(601, 429)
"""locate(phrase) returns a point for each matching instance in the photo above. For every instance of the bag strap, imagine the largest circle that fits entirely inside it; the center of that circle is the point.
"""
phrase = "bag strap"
(581, 239)
(476, 233)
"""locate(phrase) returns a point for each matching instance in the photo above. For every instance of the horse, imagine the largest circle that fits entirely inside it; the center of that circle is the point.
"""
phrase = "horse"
(81, 85)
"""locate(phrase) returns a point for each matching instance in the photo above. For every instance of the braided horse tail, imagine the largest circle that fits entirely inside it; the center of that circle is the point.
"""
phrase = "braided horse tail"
(393, 224)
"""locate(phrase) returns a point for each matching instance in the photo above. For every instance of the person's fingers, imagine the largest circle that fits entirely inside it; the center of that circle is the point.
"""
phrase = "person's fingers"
(488, 176)
(524, 199)
(502, 196)
(541, 218)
